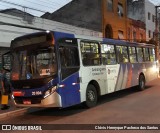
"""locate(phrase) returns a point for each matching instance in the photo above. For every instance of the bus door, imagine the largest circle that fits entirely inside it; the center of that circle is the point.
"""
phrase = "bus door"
(70, 84)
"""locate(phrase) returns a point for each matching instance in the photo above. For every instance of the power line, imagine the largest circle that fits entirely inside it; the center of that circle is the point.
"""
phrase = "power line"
(22, 6)
(53, 3)
(38, 4)
(56, 3)
(49, 5)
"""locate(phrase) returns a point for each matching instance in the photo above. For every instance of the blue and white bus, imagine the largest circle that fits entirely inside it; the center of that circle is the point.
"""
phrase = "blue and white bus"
(55, 69)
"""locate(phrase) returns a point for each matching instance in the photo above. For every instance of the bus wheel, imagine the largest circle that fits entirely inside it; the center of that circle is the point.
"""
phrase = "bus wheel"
(141, 85)
(91, 96)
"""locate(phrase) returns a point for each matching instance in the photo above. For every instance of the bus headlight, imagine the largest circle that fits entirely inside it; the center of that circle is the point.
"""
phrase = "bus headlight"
(50, 91)
(155, 69)
(12, 96)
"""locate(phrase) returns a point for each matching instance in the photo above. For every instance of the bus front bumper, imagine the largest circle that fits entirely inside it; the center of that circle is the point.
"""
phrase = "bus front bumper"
(53, 100)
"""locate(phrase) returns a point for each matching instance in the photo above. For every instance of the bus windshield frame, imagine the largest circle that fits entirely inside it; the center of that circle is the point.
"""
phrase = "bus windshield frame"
(34, 64)
(33, 57)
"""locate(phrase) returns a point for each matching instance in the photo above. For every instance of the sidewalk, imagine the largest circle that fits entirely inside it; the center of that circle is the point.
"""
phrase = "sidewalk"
(12, 111)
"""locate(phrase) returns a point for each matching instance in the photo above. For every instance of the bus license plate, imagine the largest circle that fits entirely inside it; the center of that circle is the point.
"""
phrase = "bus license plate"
(26, 102)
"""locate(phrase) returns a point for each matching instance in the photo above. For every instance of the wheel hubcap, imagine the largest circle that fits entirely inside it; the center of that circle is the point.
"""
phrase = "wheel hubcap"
(142, 82)
(91, 95)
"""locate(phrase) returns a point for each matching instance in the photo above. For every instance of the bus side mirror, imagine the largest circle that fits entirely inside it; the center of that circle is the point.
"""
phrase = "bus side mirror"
(6, 61)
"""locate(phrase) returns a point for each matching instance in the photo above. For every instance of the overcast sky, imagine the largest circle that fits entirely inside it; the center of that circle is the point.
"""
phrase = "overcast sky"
(40, 6)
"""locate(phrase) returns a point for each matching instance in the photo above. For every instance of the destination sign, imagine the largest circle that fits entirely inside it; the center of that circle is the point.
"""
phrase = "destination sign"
(31, 39)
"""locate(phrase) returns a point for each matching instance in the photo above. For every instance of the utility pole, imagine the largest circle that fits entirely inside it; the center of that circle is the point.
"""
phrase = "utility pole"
(157, 34)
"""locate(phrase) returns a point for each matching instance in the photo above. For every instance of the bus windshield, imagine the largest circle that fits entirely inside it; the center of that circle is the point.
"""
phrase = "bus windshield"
(33, 64)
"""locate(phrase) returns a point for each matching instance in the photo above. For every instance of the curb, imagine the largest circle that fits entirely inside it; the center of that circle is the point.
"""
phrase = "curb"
(13, 113)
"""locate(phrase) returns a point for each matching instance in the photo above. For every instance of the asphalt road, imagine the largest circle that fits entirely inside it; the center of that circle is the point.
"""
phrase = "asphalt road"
(125, 107)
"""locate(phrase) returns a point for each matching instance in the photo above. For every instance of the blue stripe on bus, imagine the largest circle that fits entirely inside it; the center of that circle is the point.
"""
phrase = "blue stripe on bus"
(59, 35)
(70, 94)
(111, 41)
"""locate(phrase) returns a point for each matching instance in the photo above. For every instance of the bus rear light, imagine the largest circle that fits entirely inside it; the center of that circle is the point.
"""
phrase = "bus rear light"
(18, 93)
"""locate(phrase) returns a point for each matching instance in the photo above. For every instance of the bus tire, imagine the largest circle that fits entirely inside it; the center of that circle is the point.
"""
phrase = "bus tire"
(91, 96)
(141, 85)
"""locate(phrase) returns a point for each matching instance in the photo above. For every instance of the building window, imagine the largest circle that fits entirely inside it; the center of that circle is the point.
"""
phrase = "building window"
(149, 15)
(110, 5)
(134, 36)
(108, 31)
(153, 17)
(141, 36)
(129, 34)
(120, 35)
(153, 35)
(120, 10)
(149, 34)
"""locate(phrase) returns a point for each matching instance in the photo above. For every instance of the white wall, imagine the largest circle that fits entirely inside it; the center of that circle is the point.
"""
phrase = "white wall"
(7, 33)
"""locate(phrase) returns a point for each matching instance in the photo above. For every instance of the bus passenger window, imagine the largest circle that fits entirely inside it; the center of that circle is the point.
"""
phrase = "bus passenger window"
(132, 53)
(90, 53)
(108, 54)
(122, 54)
(152, 54)
(146, 54)
(140, 55)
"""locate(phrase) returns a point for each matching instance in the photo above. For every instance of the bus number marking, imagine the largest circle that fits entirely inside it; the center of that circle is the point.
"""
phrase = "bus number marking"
(35, 93)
